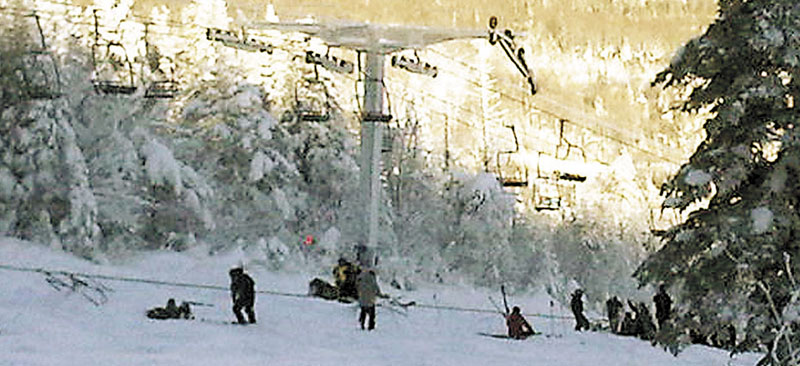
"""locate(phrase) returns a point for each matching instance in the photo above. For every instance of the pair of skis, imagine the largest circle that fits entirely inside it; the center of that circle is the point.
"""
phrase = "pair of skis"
(505, 302)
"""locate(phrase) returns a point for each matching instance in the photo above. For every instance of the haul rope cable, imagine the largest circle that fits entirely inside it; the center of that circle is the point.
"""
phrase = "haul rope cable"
(225, 288)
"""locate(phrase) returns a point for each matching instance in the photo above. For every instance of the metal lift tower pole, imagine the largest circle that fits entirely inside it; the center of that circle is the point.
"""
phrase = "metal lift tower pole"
(371, 141)
(376, 41)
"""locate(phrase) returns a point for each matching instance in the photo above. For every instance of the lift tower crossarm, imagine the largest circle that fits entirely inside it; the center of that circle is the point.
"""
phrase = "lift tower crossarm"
(375, 41)
(369, 37)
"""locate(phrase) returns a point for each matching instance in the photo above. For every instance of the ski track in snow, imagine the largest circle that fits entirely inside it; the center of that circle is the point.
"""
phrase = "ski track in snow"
(42, 326)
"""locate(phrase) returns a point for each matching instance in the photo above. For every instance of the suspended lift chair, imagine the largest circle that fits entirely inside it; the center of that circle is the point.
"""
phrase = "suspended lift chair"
(508, 173)
(554, 190)
(315, 105)
(107, 67)
(40, 76)
(165, 86)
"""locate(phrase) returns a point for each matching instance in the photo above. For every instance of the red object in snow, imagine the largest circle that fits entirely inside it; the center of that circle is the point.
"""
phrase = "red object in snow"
(309, 240)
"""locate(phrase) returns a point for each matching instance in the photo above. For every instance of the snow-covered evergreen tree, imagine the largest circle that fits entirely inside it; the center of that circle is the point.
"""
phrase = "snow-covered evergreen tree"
(735, 262)
(46, 194)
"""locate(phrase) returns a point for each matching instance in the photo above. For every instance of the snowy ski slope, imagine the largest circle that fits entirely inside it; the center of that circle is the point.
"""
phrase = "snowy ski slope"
(42, 326)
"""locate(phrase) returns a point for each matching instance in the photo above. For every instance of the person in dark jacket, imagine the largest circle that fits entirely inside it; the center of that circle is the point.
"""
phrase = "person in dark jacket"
(663, 305)
(628, 325)
(368, 292)
(645, 328)
(518, 327)
(243, 295)
(614, 311)
(576, 304)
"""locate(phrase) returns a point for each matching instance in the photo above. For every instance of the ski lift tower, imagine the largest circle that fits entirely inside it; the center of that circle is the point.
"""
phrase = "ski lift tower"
(375, 41)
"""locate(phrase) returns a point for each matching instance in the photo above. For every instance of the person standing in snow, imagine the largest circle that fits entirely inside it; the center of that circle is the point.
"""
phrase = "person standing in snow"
(614, 309)
(368, 291)
(663, 305)
(518, 327)
(576, 304)
(243, 295)
(645, 328)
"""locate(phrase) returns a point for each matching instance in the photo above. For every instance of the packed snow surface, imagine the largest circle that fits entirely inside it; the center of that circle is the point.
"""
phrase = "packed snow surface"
(42, 326)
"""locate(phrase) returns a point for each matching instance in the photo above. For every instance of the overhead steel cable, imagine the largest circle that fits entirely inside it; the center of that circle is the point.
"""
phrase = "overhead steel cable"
(147, 281)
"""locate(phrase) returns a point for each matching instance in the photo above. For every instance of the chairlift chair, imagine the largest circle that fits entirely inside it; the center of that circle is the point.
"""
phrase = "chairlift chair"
(515, 53)
(40, 81)
(414, 65)
(162, 89)
(549, 192)
(112, 85)
(233, 40)
(312, 108)
(519, 176)
(165, 87)
(388, 139)
(102, 82)
(332, 63)
(546, 194)
(509, 174)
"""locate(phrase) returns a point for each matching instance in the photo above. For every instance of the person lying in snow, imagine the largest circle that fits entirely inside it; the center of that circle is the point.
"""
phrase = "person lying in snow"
(171, 311)
(518, 327)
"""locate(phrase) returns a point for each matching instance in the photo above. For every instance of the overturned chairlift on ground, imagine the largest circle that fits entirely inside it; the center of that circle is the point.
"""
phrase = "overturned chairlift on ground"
(233, 40)
(414, 65)
(40, 77)
(108, 68)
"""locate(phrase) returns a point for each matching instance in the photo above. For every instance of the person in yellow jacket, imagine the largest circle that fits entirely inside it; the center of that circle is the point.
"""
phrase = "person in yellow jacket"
(344, 275)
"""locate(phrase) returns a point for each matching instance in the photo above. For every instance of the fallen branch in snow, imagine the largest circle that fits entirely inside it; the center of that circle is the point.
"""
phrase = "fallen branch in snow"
(93, 291)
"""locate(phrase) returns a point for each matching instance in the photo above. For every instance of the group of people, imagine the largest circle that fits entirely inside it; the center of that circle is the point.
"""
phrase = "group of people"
(357, 283)
(243, 295)
(636, 322)
(639, 321)
(353, 283)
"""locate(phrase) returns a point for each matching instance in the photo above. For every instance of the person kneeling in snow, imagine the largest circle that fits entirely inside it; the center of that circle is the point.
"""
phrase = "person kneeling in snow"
(518, 327)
